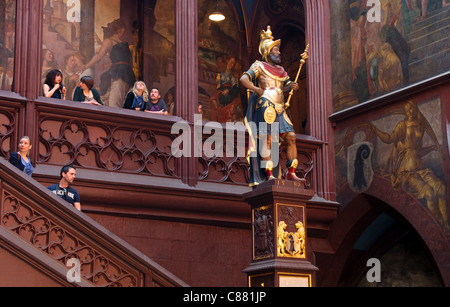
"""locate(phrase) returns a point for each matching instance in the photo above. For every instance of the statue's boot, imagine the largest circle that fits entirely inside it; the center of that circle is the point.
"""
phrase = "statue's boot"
(269, 170)
(292, 165)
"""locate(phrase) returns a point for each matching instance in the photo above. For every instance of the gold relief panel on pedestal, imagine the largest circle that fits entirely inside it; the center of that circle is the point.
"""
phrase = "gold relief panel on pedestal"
(291, 232)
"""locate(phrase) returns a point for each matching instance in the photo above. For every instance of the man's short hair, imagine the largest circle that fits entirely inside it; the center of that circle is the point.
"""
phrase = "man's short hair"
(155, 88)
(65, 169)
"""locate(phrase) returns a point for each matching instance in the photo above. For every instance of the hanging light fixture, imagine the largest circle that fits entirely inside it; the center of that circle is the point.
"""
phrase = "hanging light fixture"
(217, 14)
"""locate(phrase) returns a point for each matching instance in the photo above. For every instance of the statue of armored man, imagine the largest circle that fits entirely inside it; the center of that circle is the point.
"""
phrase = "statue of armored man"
(266, 116)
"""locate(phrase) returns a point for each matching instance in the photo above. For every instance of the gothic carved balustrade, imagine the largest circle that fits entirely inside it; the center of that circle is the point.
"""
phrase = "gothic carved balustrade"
(139, 143)
(45, 222)
(231, 165)
(106, 141)
(103, 139)
(61, 244)
(10, 126)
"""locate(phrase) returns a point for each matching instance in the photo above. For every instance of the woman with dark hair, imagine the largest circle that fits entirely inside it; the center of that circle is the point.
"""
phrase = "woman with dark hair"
(53, 87)
(86, 93)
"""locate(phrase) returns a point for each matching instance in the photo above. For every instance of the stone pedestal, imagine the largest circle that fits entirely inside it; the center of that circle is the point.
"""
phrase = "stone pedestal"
(280, 247)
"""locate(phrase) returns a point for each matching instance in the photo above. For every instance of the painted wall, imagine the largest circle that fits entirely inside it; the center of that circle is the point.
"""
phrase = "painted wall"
(7, 37)
(379, 48)
(390, 102)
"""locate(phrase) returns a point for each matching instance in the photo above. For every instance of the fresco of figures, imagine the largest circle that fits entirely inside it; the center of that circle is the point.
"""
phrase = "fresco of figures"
(407, 43)
(403, 148)
(7, 37)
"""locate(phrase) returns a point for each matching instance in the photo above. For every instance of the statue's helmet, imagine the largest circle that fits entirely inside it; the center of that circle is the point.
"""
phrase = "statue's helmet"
(267, 43)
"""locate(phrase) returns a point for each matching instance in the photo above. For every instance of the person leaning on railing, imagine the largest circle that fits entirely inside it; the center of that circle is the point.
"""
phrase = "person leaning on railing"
(53, 85)
(138, 97)
(86, 93)
(20, 159)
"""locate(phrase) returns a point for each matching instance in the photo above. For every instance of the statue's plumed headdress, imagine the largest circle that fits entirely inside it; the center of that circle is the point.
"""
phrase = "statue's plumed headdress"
(267, 43)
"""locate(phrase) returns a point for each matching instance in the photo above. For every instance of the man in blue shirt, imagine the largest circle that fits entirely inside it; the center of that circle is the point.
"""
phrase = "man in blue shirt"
(64, 190)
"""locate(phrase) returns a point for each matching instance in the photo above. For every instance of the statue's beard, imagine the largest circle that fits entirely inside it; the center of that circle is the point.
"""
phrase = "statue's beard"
(275, 58)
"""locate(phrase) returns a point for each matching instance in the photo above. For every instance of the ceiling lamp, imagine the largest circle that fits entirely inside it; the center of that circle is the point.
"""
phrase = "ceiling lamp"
(217, 15)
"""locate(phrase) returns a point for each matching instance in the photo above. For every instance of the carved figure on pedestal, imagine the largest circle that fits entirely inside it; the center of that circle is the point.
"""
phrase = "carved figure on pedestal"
(263, 233)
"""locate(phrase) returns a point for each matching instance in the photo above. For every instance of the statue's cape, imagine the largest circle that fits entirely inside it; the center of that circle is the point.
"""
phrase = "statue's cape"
(276, 71)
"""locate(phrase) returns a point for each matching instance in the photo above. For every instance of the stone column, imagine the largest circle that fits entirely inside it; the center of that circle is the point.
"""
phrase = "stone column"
(186, 28)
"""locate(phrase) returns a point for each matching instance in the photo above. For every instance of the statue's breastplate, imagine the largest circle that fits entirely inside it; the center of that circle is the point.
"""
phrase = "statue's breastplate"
(273, 87)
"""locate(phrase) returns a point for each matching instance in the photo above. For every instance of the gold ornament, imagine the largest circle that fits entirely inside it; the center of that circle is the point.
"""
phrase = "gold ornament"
(294, 164)
(270, 115)
(280, 108)
(269, 166)
(291, 244)
(304, 57)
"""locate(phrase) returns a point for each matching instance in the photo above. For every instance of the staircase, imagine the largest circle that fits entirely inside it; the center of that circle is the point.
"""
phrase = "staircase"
(40, 236)
(429, 41)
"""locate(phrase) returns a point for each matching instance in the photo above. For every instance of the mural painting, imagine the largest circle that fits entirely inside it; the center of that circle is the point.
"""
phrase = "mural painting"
(221, 97)
(225, 102)
(403, 146)
(7, 37)
(104, 40)
(406, 44)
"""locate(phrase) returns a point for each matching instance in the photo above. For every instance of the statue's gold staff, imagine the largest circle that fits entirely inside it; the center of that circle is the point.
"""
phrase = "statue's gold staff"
(304, 56)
